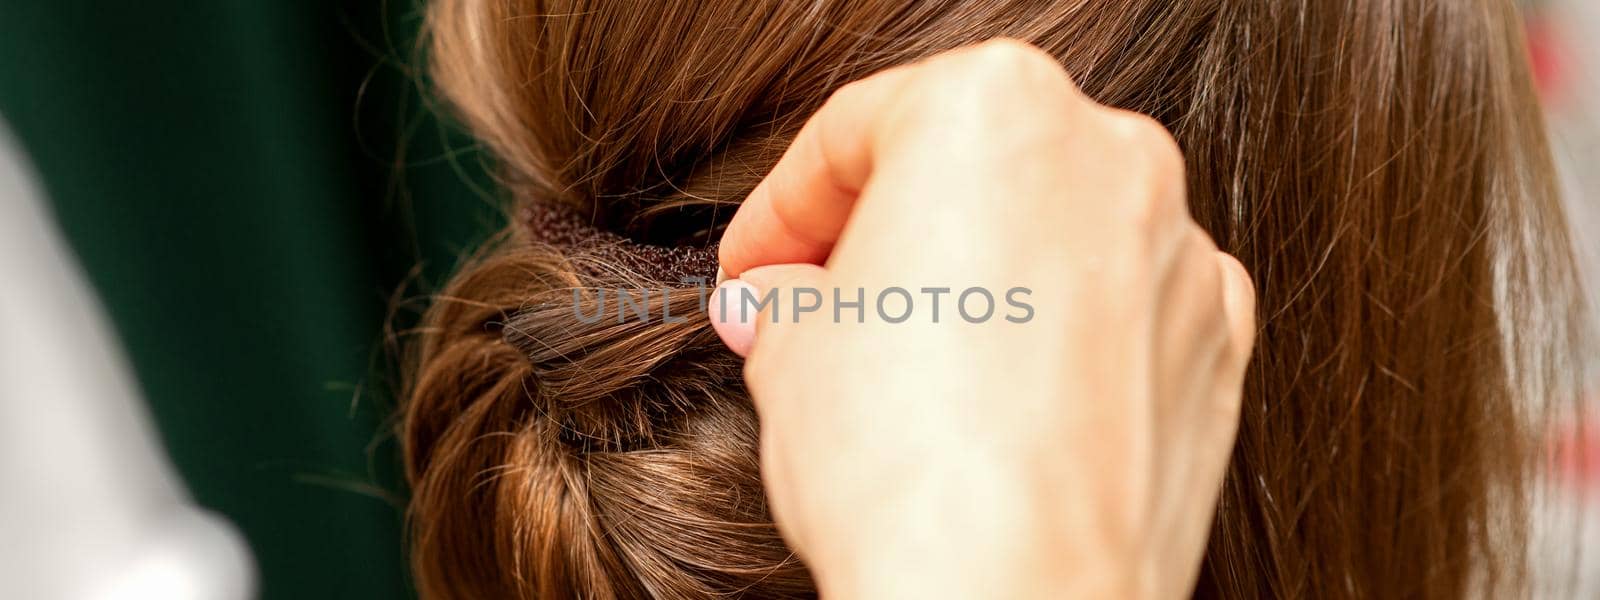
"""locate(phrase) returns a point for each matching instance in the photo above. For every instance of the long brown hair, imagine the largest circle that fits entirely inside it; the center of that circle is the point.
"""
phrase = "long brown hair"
(1379, 167)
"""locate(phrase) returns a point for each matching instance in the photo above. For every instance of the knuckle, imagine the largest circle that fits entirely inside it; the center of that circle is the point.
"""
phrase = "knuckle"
(1208, 292)
(995, 77)
(1007, 75)
(1207, 289)
(1155, 171)
(845, 95)
(1150, 143)
(1007, 57)
(974, 97)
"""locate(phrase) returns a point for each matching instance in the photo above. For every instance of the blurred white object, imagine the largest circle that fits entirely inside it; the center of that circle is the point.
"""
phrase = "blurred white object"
(89, 506)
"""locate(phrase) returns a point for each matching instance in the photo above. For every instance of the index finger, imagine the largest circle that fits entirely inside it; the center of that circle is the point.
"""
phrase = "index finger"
(798, 211)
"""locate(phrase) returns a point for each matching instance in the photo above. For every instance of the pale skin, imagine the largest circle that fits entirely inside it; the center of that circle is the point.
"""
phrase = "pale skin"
(1078, 455)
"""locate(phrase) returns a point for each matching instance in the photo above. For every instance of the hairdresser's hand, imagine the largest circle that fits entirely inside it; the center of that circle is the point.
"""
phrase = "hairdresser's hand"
(1078, 454)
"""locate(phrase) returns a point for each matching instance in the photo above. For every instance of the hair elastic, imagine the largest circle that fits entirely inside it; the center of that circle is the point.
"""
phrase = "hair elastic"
(563, 227)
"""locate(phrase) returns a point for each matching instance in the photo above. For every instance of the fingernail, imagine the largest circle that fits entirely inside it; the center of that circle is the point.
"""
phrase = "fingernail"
(721, 276)
(728, 316)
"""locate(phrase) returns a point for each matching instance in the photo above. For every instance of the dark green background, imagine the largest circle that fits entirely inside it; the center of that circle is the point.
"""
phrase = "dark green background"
(247, 184)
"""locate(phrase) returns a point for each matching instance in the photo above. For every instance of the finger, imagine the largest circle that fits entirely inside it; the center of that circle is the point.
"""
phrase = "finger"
(735, 303)
(1212, 444)
(1239, 305)
(733, 324)
(798, 211)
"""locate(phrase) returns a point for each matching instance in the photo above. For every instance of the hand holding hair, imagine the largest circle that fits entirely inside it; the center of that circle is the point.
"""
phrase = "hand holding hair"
(1078, 454)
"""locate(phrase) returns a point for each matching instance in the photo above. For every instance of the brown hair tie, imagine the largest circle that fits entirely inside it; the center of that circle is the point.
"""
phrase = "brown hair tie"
(562, 227)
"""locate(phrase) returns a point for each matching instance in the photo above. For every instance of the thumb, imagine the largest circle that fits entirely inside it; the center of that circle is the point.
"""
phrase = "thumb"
(739, 305)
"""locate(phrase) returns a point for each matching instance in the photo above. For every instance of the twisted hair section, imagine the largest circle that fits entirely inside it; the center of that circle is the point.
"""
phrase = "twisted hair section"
(553, 456)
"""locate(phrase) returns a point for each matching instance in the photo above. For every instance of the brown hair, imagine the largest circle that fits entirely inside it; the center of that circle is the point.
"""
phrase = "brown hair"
(1378, 166)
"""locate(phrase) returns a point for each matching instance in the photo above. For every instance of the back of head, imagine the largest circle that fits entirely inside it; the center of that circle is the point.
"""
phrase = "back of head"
(1378, 166)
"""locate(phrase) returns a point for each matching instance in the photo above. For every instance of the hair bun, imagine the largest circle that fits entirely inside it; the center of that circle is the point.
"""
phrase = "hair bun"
(613, 384)
(551, 454)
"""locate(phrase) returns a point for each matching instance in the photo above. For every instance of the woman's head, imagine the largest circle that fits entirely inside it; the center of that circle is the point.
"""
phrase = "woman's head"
(1378, 167)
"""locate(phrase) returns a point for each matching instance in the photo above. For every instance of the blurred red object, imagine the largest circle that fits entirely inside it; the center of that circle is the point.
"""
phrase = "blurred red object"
(1575, 452)
(1547, 53)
